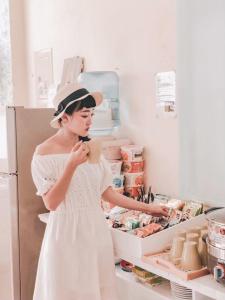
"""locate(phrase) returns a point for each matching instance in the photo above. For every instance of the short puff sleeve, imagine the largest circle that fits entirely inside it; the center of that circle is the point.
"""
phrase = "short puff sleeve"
(106, 176)
(42, 174)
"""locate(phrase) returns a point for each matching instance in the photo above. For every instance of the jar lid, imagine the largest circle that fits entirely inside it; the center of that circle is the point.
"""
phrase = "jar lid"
(217, 215)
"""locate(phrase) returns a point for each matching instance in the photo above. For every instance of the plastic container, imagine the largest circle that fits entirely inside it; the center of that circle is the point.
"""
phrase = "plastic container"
(133, 166)
(111, 149)
(129, 244)
(132, 191)
(115, 166)
(118, 181)
(134, 179)
(132, 153)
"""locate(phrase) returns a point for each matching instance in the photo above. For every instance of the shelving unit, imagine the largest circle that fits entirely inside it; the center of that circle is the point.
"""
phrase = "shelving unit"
(138, 290)
(203, 288)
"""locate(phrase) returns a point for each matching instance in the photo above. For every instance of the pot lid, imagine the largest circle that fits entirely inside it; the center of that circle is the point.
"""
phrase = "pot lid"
(217, 216)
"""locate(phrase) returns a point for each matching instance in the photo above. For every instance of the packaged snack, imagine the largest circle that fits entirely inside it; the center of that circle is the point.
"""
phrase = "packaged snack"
(175, 203)
(161, 199)
(147, 277)
(116, 224)
(132, 223)
(156, 280)
(142, 273)
(147, 230)
(192, 209)
(145, 219)
(175, 216)
(118, 210)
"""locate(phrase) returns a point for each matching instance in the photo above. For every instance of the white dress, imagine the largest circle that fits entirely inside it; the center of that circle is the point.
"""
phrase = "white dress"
(76, 260)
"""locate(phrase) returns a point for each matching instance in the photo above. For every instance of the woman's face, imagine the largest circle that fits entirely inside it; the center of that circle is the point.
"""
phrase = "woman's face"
(79, 122)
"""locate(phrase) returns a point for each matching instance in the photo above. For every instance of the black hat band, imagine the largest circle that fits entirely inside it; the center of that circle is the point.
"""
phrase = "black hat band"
(72, 97)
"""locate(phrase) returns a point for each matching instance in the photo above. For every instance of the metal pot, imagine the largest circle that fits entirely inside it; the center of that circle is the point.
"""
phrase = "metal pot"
(216, 242)
(216, 226)
(216, 262)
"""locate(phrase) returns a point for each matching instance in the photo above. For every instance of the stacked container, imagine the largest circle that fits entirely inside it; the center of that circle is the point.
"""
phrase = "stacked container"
(133, 169)
(112, 153)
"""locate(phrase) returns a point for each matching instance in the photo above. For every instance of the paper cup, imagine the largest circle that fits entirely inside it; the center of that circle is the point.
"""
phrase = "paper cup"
(191, 236)
(181, 233)
(190, 260)
(177, 248)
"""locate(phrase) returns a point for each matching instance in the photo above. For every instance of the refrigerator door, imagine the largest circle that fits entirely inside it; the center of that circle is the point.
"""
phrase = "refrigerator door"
(32, 128)
(7, 140)
(9, 243)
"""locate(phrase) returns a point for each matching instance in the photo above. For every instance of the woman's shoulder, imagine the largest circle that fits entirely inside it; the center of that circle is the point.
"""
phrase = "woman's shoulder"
(46, 157)
(48, 147)
(43, 149)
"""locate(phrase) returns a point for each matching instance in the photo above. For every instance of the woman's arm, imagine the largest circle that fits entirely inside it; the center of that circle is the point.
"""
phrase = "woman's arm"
(113, 197)
(57, 193)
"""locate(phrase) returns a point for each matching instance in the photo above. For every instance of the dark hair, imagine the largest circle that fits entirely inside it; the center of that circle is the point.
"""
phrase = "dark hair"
(87, 102)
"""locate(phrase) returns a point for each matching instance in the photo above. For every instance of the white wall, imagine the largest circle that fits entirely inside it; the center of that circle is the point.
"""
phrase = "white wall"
(18, 52)
(201, 93)
(135, 38)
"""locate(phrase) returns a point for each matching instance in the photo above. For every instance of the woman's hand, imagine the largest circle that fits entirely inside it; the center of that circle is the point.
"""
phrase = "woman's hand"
(115, 198)
(157, 210)
(78, 154)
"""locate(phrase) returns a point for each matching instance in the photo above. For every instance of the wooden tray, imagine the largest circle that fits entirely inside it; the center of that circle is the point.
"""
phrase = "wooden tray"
(161, 260)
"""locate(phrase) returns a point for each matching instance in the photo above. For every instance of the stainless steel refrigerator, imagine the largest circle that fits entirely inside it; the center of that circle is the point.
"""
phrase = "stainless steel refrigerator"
(21, 232)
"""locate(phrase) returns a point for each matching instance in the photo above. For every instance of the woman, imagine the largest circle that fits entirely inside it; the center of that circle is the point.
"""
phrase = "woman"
(76, 260)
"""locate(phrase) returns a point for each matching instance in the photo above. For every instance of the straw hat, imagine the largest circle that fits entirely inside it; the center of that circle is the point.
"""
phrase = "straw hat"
(69, 94)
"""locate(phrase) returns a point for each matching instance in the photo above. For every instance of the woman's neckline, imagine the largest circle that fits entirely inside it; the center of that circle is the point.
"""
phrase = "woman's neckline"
(51, 154)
